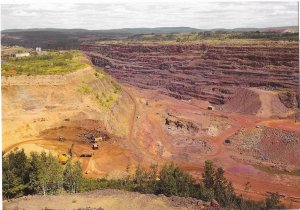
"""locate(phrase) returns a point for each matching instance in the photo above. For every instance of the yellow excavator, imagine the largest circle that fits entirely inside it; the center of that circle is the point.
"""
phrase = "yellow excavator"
(64, 158)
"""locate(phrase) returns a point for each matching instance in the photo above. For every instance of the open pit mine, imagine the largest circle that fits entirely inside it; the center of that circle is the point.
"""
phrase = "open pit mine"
(140, 103)
(235, 103)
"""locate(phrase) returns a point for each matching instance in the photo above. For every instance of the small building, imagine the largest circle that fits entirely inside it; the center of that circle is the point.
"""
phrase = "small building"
(95, 146)
(19, 55)
(38, 50)
(211, 108)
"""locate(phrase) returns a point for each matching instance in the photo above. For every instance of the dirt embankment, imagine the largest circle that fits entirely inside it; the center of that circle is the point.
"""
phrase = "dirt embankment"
(254, 101)
(244, 101)
(38, 110)
(108, 200)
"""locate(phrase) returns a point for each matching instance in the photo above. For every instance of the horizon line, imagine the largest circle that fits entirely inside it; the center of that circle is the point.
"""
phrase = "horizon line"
(106, 29)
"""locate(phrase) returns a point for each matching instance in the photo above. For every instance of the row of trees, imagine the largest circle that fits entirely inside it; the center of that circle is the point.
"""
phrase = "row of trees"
(218, 35)
(42, 174)
(38, 174)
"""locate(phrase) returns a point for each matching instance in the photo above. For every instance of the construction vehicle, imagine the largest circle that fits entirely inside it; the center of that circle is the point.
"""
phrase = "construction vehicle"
(211, 108)
(86, 155)
(64, 158)
(95, 146)
(89, 136)
(97, 139)
(61, 139)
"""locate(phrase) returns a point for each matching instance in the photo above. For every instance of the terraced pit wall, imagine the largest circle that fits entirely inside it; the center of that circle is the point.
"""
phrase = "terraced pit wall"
(207, 71)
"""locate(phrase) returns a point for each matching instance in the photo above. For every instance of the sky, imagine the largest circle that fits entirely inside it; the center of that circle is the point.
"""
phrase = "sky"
(126, 14)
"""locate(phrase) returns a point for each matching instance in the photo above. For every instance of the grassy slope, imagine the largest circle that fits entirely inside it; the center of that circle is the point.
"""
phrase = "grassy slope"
(105, 96)
(50, 63)
(94, 85)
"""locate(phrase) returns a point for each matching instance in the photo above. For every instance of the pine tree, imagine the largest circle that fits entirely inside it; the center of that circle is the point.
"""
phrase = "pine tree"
(167, 183)
(223, 189)
(12, 185)
(272, 201)
(34, 167)
(208, 174)
(152, 176)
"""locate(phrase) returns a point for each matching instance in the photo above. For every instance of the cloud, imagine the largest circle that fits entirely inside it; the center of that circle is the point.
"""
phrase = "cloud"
(24, 13)
(107, 15)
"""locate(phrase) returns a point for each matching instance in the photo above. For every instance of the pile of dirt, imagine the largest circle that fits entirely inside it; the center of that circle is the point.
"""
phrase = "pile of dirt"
(108, 199)
(277, 147)
(244, 101)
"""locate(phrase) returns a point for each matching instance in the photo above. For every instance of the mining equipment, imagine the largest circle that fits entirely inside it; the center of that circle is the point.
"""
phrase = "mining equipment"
(64, 158)
(211, 108)
(86, 155)
(61, 138)
(95, 146)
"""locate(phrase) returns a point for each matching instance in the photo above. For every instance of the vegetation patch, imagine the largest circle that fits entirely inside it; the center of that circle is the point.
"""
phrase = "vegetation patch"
(48, 63)
(85, 89)
(105, 99)
(99, 75)
(42, 174)
(218, 35)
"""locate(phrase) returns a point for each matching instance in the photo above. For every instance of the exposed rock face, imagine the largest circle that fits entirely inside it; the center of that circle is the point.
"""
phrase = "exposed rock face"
(208, 72)
(289, 99)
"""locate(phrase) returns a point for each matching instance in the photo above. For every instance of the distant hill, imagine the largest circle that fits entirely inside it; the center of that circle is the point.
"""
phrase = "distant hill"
(56, 38)
(122, 30)
(149, 30)
(277, 29)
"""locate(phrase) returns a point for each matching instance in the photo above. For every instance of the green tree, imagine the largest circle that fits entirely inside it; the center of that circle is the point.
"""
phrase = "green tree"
(152, 179)
(50, 174)
(139, 179)
(73, 177)
(15, 174)
(12, 185)
(272, 201)
(174, 181)
(223, 189)
(34, 167)
(208, 174)
(145, 180)
(167, 183)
